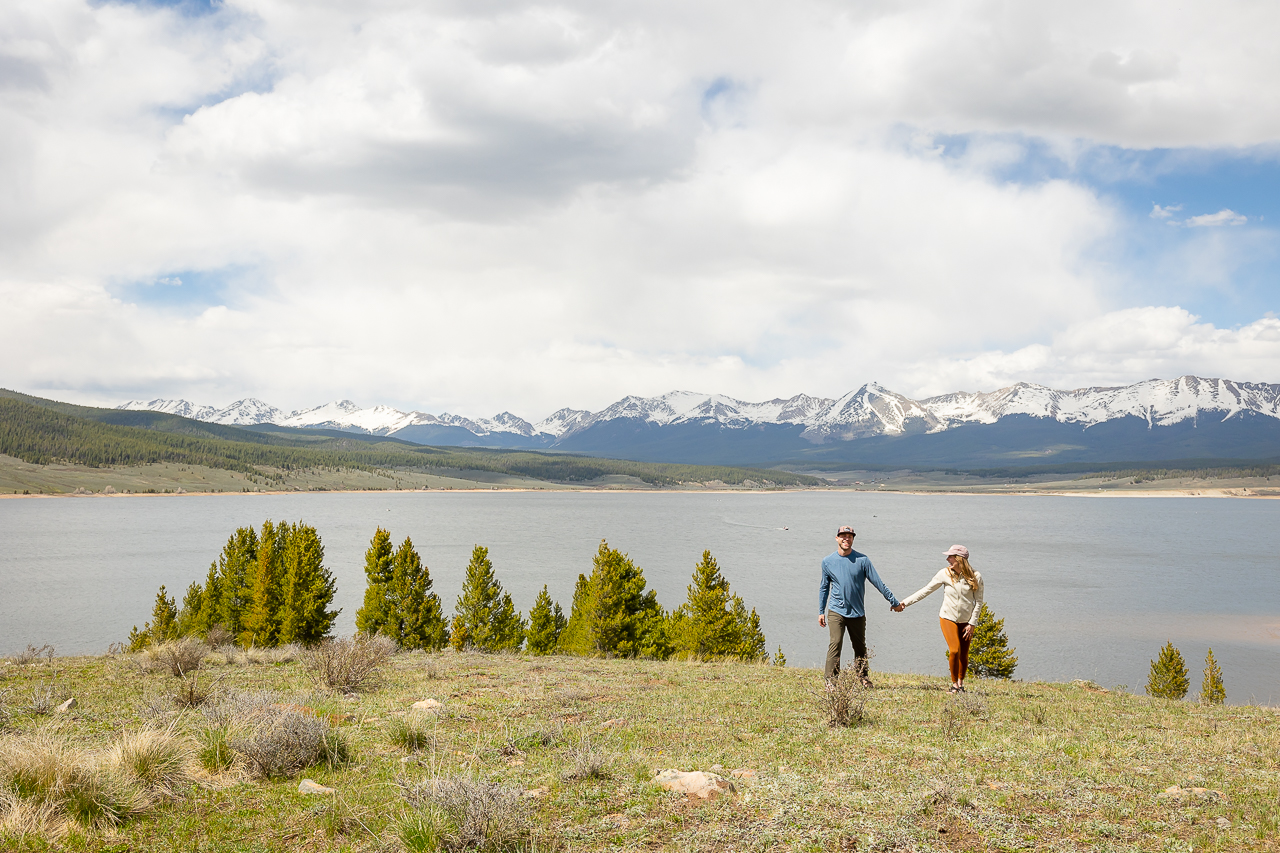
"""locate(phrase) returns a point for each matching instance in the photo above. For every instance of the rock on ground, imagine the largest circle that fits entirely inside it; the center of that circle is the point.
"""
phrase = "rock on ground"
(696, 783)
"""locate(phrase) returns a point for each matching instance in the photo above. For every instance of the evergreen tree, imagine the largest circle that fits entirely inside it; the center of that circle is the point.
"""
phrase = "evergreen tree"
(373, 614)
(612, 614)
(1168, 678)
(1212, 690)
(779, 659)
(227, 590)
(264, 581)
(413, 616)
(546, 624)
(751, 639)
(162, 627)
(486, 618)
(189, 613)
(713, 622)
(705, 626)
(306, 588)
(990, 655)
(575, 638)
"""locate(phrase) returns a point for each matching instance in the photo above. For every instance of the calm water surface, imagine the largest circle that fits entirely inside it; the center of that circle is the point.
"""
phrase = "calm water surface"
(1088, 587)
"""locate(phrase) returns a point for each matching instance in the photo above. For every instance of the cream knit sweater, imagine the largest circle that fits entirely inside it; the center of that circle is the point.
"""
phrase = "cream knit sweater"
(959, 603)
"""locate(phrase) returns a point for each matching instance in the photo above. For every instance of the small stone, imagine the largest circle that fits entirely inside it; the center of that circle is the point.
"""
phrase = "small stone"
(306, 786)
(742, 773)
(66, 706)
(426, 705)
(704, 786)
(1223, 823)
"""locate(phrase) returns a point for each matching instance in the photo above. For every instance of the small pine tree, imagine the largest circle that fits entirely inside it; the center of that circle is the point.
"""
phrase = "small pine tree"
(706, 625)
(413, 617)
(189, 613)
(486, 618)
(990, 655)
(615, 615)
(779, 659)
(372, 615)
(163, 625)
(1168, 678)
(546, 624)
(575, 639)
(307, 588)
(264, 579)
(1212, 690)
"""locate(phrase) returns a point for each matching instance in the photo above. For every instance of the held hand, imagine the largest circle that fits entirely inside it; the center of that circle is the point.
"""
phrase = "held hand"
(899, 608)
(968, 632)
(822, 621)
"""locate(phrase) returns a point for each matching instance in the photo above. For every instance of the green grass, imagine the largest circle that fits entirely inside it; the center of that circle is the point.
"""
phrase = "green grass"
(1010, 766)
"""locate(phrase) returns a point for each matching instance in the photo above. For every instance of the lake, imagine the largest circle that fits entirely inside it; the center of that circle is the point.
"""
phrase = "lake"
(1088, 587)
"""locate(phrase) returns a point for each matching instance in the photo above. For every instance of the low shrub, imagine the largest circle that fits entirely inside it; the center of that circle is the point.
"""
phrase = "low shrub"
(43, 698)
(588, 761)
(457, 813)
(843, 699)
(31, 654)
(350, 665)
(176, 657)
(276, 739)
(191, 693)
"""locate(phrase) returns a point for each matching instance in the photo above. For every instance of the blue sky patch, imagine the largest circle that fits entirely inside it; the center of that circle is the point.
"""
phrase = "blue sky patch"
(186, 291)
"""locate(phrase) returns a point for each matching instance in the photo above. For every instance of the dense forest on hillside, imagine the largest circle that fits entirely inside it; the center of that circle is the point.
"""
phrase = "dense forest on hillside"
(42, 431)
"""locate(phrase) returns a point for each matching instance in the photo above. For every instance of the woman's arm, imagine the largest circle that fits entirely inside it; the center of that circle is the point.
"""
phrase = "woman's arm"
(939, 581)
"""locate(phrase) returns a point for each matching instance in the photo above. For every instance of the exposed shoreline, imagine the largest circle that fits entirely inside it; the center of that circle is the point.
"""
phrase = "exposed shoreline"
(1209, 492)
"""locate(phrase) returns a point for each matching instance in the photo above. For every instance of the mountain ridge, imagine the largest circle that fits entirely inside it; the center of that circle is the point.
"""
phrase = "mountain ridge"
(867, 412)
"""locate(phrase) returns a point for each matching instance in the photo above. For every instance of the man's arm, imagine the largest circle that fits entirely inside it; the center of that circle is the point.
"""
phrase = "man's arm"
(824, 589)
(874, 577)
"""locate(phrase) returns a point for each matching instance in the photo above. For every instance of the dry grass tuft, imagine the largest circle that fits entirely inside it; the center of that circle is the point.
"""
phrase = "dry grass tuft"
(350, 665)
(156, 761)
(589, 761)
(413, 732)
(458, 814)
(218, 636)
(843, 699)
(43, 699)
(49, 783)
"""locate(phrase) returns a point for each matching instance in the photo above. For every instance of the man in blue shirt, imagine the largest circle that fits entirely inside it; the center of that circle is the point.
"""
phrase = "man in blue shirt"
(840, 603)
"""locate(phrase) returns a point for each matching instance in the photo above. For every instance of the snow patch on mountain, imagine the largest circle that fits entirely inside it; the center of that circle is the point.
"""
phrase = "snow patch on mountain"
(868, 411)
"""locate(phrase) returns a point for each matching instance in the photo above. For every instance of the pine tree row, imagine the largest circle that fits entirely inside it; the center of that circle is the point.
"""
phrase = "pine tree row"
(1168, 677)
(264, 589)
(272, 588)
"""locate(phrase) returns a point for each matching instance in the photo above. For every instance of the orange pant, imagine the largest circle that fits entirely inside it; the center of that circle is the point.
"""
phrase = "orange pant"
(953, 633)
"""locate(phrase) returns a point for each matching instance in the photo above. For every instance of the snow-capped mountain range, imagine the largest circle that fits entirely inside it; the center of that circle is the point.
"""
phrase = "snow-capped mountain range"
(870, 411)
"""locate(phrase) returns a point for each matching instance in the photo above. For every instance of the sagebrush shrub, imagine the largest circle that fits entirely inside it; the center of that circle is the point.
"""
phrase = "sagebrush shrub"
(843, 699)
(350, 665)
(457, 813)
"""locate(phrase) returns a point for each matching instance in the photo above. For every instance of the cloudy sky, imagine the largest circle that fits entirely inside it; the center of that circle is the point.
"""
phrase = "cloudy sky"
(471, 206)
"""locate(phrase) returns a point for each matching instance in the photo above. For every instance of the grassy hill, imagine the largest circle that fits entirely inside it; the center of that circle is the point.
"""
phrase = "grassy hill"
(44, 432)
(560, 752)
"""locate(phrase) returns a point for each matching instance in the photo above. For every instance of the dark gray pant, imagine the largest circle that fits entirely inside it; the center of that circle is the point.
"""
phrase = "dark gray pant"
(856, 627)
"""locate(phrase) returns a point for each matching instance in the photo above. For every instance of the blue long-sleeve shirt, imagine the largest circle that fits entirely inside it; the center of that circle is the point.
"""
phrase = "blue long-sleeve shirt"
(843, 583)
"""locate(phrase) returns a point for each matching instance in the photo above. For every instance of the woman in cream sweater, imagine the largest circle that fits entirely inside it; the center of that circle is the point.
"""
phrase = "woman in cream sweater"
(960, 605)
